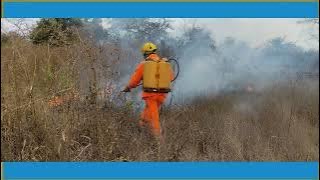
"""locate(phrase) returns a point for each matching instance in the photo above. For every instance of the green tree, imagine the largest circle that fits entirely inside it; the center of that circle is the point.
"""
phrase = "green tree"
(55, 31)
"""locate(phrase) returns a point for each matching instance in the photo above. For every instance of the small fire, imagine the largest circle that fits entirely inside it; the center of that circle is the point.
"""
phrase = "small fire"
(60, 100)
(55, 101)
(105, 93)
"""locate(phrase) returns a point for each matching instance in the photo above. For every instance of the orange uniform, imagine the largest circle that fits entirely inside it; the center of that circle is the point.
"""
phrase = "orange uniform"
(153, 100)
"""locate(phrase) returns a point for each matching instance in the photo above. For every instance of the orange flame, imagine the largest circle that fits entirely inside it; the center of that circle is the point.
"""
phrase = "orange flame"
(60, 100)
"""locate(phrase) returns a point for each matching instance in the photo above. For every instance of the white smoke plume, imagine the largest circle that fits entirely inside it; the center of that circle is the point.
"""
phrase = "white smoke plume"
(208, 68)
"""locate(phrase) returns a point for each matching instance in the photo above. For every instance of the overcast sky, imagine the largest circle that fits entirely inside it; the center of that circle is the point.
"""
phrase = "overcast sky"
(253, 31)
(256, 31)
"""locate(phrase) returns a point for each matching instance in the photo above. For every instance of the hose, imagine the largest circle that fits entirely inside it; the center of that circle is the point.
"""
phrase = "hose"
(177, 75)
(178, 68)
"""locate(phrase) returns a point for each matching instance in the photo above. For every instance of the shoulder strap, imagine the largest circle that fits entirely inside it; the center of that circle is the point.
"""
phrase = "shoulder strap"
(148, 59)
(164, 59)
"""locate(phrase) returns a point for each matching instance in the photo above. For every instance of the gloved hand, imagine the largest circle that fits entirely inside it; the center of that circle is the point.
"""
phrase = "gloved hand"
(126, 89)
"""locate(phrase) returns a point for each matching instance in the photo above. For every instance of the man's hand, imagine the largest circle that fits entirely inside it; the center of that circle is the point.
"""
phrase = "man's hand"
(126, 89)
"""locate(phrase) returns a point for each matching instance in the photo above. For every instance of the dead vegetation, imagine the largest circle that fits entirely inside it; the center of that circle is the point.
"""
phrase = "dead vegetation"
(48, 114)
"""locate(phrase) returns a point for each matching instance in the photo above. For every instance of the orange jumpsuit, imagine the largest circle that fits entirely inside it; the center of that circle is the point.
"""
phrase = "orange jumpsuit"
(153, 101)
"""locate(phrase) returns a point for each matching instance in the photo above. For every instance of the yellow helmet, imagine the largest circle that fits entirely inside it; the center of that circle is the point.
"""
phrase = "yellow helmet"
(148, 48)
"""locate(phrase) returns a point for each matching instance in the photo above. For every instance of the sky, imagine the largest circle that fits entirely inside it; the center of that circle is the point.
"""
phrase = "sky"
(254, 31)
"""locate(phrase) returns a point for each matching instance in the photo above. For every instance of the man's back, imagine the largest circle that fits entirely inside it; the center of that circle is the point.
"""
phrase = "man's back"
(137, 76)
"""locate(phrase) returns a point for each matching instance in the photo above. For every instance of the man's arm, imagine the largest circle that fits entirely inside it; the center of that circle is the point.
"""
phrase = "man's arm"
(136, 77)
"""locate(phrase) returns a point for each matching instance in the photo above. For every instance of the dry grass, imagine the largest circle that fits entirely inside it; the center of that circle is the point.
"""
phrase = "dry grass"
(279, 124)
(267, 126)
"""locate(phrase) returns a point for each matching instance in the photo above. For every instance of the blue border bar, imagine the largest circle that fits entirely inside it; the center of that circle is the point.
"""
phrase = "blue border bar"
(127, 170)
(161, 9)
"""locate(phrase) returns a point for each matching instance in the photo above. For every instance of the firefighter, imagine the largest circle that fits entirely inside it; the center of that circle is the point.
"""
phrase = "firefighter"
(152, 96)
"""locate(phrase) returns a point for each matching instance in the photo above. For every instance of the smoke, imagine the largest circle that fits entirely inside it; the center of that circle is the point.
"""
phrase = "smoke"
(208, 68)
(233, 66)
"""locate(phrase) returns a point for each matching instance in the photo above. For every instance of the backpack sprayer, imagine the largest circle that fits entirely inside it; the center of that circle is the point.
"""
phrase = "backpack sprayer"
(157, 75)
